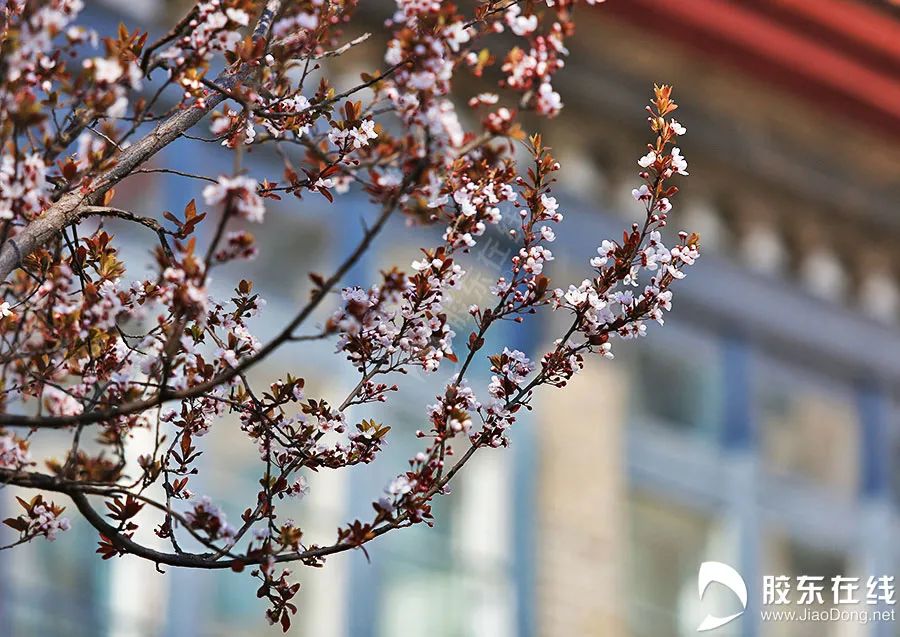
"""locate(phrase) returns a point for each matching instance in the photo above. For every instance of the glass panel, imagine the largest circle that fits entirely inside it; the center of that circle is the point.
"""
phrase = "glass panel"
(677, 379)
(667, 546)
(809, 427)
(893, 455)
(444, 604)
(453, 579)
(790, 557)
(75, 588)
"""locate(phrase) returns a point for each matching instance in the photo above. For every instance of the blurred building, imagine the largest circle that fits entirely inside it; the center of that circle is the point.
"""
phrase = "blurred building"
(759, 428)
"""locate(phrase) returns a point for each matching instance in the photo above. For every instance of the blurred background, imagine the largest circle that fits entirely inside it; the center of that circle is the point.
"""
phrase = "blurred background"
(760, 427)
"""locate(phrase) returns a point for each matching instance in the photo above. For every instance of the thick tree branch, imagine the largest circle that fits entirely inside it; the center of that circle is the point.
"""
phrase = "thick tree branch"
(68, 208)
(56, 422)
(78, 492)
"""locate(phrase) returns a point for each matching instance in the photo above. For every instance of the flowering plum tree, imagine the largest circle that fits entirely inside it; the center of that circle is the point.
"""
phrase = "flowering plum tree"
(91, 349)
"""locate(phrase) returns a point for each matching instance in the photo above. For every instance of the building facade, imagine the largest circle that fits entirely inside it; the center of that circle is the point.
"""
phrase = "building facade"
(759, 428)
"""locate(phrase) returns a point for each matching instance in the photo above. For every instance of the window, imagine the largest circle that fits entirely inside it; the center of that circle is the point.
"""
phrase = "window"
(892, 457)
(677, 380)
(145, 10)
(784, 555)
(666, 549)
(454, 580)
(809, 427)
(64, 575)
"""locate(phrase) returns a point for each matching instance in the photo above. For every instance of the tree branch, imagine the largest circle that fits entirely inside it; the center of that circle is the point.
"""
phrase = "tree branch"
(68, 208)
(165, 394)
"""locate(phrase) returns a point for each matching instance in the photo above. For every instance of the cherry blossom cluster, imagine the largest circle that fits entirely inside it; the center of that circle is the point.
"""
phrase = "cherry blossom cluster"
(13, 451)
(99, 349)
(400, 322)
(206, 517)
(427, 41)
(208, 31)
(602, 306)
(35, 29)
(239, 245)
(526, 286)
(470, 202)
(23, 186)
(510, 369)
(211, 27)
(30, 66)
(452, 413)
(39, 519)
(530, 70)
(612, 302)
(239, 194)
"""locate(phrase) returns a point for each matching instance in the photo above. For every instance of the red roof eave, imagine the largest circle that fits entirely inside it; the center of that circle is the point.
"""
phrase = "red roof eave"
(834, 69)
